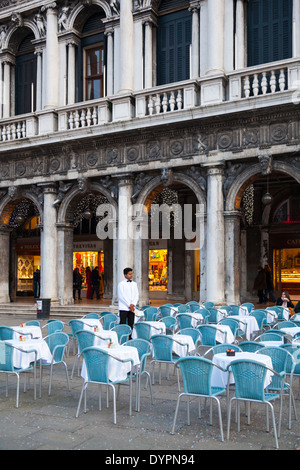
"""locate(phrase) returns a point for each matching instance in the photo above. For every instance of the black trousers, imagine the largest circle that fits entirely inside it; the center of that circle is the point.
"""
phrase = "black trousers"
(126, 316)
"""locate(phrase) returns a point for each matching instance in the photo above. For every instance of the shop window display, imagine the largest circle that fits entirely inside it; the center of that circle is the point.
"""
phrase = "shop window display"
(158, 270)
(92, 259)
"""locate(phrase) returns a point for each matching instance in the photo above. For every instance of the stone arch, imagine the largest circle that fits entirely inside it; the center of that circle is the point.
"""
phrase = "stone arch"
(7, 205)
(248, 176)
(80, 7)
(16, 31)
(144, 196)
(96, 187)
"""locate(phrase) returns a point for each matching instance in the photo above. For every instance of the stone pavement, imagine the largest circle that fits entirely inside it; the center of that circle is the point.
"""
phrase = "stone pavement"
(49, 423)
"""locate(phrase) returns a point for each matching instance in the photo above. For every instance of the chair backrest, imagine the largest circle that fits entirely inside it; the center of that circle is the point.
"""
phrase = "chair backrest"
(248, 305)
(227, 309)
(213, 315)
(32, 323)
(105, 312)
(96, 361)
(294, 350)
(143, 330)
(285, 324)
(184, 321)
(170, 322)
(54, 326)
(261, 317)
(279, 358)
(57, 342)
(233, 324)
(274, 330)
(249, 377)
(6, 357)
(209, 304)
(162, 347)
(143, 348)
(76, 325)
(193, 332)
(269, 337)
(94, 315)
(85, 339)
(235, 309)
(183, 308)
(194, 306)
(109, 321)
(6, 333)
(250, 346)
(165, 311)
(196, 374)
(221, 348)
(123, 332)
(205, 314)
(208, 335)
(145, 306)
(151, 313)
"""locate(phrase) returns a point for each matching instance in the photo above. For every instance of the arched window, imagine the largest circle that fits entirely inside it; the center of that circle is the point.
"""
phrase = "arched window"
(25, 94)
(269, 30)
(173, 41)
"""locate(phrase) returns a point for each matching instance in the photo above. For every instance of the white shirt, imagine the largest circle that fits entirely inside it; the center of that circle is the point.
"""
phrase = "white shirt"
(128, 294)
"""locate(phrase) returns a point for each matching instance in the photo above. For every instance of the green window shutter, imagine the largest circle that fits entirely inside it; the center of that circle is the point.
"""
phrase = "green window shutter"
(269, 29)
(173, 47)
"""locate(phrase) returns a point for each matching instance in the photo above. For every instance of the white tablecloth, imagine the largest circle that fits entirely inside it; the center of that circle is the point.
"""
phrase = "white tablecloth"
(117, 370)
(99, 341)
(286, 313)
(221, 337)
(291, 331)
(21, 330)
(243, 310)
(220, 378)
(247, 324)
(22, 360)
(196, 318)
(183, 350)
(272, 344)
(156, 328)
(91, 323)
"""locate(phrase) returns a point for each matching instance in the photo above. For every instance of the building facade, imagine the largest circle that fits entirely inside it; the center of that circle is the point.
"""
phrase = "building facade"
(133, 105)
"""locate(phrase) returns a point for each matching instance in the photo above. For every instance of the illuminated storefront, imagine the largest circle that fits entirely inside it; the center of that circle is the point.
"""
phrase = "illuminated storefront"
(28, 261)
(88, 254)
(158, 270)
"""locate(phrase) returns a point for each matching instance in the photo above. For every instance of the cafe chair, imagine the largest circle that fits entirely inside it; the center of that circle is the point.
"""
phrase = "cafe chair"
(269, 336)
(196, 374)
(165, 311)
(7, 333)
(143, 330)
(85, 339)
(92, 315)
(143, 348)
(109, 321)
(7, 366)
(123, 332)
(234, 326)
(105, 312)
(57, 343)
(193, 306)
(208, 335)
(205, 314)
(151, 313)
(75, 325)
(182, 308)
(194, 333)
(53, 326)
(227, 309)
(249, 377)
(213, 315)
(184, 320)
(285, 324)
(293, 365)
(170, 323)
(235, 309)
(96, 361)
(249, 306)
(32, 323)
(208, 305)
(251, 346)
(261, 318)
(222, 348)
(280, 357)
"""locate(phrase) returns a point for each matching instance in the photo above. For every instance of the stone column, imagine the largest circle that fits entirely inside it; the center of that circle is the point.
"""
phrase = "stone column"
(39, 54)
(52, 53)
(65, 263)
(126, 47)
(4, 260)
(215, 269)
(71, 72)
(110, 63)
(6, 89)
(141, 257)
(148, 54)
(125, 241)
(216, 37)
(49, 287)
(232, 257)
(240, 35)
(195, 41)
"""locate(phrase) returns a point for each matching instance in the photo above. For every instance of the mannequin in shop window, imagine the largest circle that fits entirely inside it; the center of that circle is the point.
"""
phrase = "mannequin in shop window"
(77, 283)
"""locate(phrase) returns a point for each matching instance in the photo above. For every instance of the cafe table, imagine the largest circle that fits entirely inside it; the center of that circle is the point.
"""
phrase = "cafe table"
(156, 328)
(35, 331)
(220, 378)
(117, 371)
(91, 323)
(291, 331)
(247, 324)
(183, 345)
(223, 334)
(103, 337)
(21, 359)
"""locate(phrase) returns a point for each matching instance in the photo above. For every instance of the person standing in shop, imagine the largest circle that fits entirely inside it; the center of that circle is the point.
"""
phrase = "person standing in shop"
(88, 275)
(77, 283)
(95, 283)
(128, 296)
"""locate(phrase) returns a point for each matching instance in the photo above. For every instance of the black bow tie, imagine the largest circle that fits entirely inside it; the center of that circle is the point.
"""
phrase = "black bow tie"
(129, 281)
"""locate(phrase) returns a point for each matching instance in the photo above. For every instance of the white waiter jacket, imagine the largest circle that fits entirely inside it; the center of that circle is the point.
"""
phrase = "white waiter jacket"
(128, 294)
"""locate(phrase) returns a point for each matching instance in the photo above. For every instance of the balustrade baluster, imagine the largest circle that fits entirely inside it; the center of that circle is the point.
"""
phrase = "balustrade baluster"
(282, 80)
(157, 103)
(273, 82)
(165, 102)
(255, 85)
(172, 101)
(247, 86)
(179, 100)
(150, 105)
(264, 83)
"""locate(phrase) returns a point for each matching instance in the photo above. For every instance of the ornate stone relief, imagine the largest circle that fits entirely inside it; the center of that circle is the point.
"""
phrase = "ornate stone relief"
(197, 175)
(63, 188)
(265, 164)
(139, 183)
(232, 170)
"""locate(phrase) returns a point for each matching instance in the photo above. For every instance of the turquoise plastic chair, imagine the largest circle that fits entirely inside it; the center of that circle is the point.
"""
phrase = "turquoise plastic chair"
(102, 314)
(196, 374)
(94, 315)
(123, 332)
(292, 366)
(165, 311)
(143, 348)
(285, 324)
(32, 323)
(249, 377)
(261, 318)
(170, 323)
(162, 354)
(184, 320)
(145, 306)
(222, 348)
(194, 333)
(209, 304)
(109, 321)
(279, 358)
(53, 326)
(151, 313)
(96, 361)
(208, 335)
(205, 314)
(183, 308)
(234, 325)
(251, 346)
(249, 306)
(75, 325)
(269, 337)
(194, 306)
(85, 339)
(235, 309)
(7, 367)
(213, 315)
(143, 330)
(227, 309)
(7, 333)
(57, 343)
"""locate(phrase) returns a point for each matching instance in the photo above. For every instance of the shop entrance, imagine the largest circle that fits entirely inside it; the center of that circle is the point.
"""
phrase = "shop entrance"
(91, 259)
(286, 269)
(158, 270)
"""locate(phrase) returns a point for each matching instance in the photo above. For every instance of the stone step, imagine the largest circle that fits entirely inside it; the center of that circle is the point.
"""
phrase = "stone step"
(57, 310)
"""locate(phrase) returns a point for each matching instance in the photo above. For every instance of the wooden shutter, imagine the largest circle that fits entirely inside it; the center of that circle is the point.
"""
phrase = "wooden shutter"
(269, 29)
(173, 48)
(26, 69)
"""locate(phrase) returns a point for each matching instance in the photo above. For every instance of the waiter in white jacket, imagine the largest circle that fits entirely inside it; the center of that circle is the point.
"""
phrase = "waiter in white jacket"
(128, 296)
